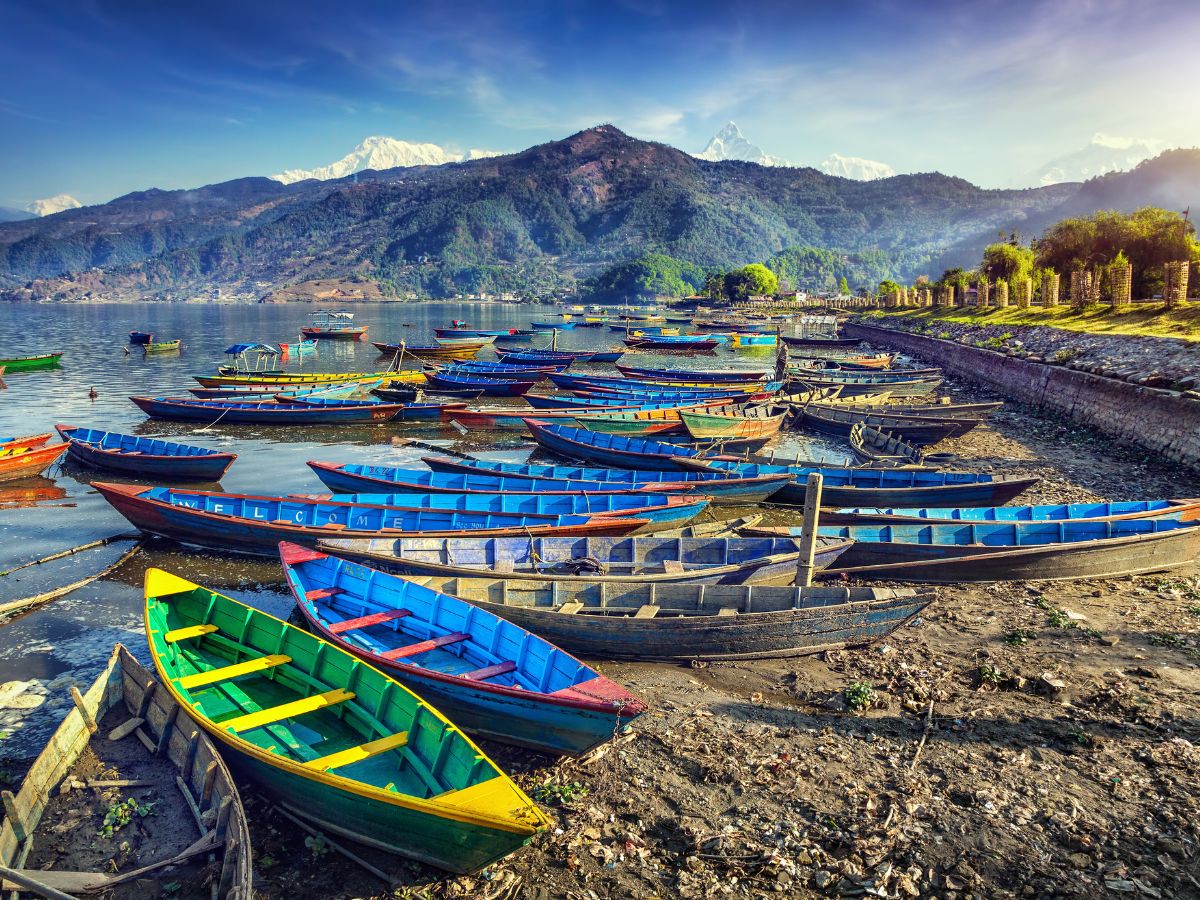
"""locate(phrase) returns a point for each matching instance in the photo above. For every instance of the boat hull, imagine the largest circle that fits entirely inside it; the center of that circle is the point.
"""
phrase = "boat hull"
(29, 461)
(214, 411)
(28, 363)
(146, 464)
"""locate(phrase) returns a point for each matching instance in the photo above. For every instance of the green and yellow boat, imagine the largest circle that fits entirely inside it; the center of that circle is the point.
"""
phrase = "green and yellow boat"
(334, 740)
(25, 363)
(162, 346)
(408, 376)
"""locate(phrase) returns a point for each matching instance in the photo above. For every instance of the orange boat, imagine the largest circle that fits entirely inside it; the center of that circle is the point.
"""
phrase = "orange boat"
(26, 461)
(24, 443)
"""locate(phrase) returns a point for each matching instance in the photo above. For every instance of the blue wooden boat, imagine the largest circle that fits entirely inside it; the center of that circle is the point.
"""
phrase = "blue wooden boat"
(493, 387)
(486, 368)
(140, 337)
(1185, 510)
(592, 382)
(564, 325)
(685, 622)
(144, 457)
(611, 450)
(256, 392)
(473, 332)
(242, 523)
(350, 478)
(604, 356)
(660, 511)
(602, 404)
(1017, 551)
(232, 413)
(529, 356)
(708, 375)
(886, 487)
(487, 675)
(716, 485)
(639, 560)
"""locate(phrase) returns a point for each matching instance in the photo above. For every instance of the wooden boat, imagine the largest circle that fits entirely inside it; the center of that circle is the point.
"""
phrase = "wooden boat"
(474, 333)
(243, 523)
(912, 387)
(841, 486)
(820, 341)
(612, 450)
(285, 380)
(140, 337)
(588, 405)
(883, 448)
(155, 727)
(672, 343)
(852, 361)
(332, 739)
(144, 457)
(1184, 510)
(453, 351)
(742, 339)
(28, 442)
(162, 346)
(1020, 551)
(629, 560)
(603, 356)
(871, 405)
(500, 369)
(918, 430)
(513, 417)
(659, 511)
(709, 376)
(494, 387)
(551, 326)
(674, 397)
(22, 462)
(402, 393)
(680, 622)
(533, 374)
(629, 385)
(228, 412)
(272, 390)
(531, 355)
(25, 363)
(491, 677)
(645, 422)
(334, 324)
(743, 420)
(720, 487)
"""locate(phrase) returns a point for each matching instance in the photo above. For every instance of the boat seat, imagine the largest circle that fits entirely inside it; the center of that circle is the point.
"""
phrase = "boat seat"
(224, 673)
(388, 615)
(323, 593)
(286, 710)
(573, 606)
(192, 631)
(334, 526)
(500, 668)
(672, 565)
(503, 565)
(727, 611)
(425, 646)
(647, 611)
(352, 755)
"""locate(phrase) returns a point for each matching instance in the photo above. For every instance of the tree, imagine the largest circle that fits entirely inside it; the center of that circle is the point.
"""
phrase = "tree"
(887, 288)
(760, 280)
(844, 287)
(714, 286)
(1007, 262)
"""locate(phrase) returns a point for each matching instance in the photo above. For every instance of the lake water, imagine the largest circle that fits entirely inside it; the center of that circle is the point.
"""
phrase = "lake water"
(67, 641)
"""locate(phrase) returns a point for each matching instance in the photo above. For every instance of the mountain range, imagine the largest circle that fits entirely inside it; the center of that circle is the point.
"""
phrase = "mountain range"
(730, 144)
(542, 218)
(382, 153)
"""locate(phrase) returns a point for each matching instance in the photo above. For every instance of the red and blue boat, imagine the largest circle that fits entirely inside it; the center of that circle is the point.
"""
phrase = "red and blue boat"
(493, 387)
(233, 413)
(472, 332)
(243, 523)
(144, 457)
(487, 675)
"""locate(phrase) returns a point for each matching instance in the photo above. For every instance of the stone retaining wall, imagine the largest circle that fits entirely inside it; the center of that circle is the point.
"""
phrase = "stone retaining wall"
(1165, 422)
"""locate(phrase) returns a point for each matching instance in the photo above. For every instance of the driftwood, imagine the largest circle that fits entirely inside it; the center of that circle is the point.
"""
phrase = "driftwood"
(123, 536)
(14, 606)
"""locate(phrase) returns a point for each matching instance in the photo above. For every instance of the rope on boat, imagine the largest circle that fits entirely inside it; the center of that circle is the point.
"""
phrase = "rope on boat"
(15, 606)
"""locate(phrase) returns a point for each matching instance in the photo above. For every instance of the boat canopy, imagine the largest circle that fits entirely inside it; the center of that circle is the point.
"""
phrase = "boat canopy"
(255, 347)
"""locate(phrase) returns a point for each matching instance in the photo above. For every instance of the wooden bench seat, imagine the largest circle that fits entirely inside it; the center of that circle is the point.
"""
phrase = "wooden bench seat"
(225, 673)
(287, 710)
(500, 668)
(425, 646)
(388, 615)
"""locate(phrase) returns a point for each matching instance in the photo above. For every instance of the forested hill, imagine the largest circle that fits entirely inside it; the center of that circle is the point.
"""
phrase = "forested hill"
(549, 214)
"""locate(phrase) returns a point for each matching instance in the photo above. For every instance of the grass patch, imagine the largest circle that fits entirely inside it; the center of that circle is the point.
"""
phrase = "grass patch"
(1142, 319)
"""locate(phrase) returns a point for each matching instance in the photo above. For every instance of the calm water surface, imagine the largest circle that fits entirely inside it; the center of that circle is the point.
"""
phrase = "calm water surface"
(67, 641)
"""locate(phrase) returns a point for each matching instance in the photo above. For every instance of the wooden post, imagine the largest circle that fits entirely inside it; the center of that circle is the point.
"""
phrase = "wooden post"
(14, 816)
(808, 531)
(88, 720)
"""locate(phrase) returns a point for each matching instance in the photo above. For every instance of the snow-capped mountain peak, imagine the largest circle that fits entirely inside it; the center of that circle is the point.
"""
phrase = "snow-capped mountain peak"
(730, 143)
(855, 167)
(1104, 153)
(380, 152)
(52, 205)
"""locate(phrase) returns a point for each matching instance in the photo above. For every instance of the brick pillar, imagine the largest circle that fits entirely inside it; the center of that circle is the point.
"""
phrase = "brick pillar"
(983, 294)
(1120, 284)
(1051, 283)
(1024, 292)
(1083, 288)
(1175, 282)
(1002, 293)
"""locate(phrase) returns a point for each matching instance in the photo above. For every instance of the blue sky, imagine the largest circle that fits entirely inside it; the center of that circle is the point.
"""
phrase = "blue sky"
(99, 98)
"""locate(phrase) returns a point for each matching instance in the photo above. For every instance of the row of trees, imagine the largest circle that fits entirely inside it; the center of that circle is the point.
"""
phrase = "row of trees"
(1103, 245)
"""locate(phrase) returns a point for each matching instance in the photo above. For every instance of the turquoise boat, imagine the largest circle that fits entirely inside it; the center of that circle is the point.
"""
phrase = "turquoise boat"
(330, 738)
(493, 678)
(1185, 510)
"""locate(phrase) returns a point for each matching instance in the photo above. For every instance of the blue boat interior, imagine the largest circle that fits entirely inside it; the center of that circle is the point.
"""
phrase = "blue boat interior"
(998, 534)
(590, 473)
(1039, 513)
(455, 482)
(128, 443)
(392, 617)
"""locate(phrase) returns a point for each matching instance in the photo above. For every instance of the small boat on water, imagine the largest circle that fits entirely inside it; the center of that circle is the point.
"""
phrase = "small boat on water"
(677, 376)
(819, 341)
(231, 412)
(334, 324)
(1017, 551)
(682, 622)
(144, 457)
(885, 450)
(435, 351)
(162, 346)
(531, 356)
(12, 442)
(721, 487)
(1184, 510)
(27, 363)
(336, 389)
(507, 370)
(471, 333)
(493, 387)
(491, 677)
(917, 430)
(648, 422)
(331, 738)
(140, 337)
(22, 462)
(243, 523)
(551, 326)
(742, 421)
(664, 342)
(627, 560)
(172, 754)
(285, 380)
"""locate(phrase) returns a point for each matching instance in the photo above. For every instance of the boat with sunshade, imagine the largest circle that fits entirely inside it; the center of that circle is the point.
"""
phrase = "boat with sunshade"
(146, 728)
(627, 560)
(144, 457)
(684, 622)
(140, 337)
(334, 324)
(331, 738)
(246, 523)
(490, 677)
